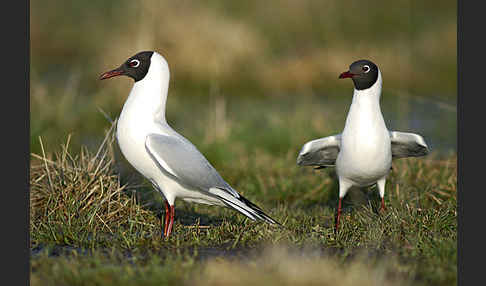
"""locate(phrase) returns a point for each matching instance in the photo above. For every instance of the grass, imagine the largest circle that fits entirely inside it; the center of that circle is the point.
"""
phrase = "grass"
(91, 225)
(251, 81)
(275, 266)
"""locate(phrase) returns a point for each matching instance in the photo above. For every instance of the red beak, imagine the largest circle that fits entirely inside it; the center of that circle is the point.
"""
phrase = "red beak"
(346, 74)
(112, 73)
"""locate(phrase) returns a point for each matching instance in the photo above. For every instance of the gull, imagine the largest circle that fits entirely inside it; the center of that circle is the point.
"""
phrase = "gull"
(362, 154)
(169, 161)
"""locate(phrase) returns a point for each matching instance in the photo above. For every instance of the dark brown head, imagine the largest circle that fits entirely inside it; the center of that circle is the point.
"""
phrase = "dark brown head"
(135, 67)
(364, 74)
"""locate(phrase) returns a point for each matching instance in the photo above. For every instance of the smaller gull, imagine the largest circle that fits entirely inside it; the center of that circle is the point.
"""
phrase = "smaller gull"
(173, 164)
(363, 152)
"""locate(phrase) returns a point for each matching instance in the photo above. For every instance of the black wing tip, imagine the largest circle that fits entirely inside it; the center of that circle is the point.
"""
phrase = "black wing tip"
(412, 150)
(316, 165)
(259, 212)
(424, 150)
(300, 159)
(320, 167)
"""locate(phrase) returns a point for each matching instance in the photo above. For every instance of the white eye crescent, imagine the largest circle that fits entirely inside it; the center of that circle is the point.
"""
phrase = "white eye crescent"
(366, 68)
(134, 63)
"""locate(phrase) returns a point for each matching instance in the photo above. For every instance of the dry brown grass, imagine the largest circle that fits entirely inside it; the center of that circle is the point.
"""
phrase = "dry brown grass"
(76, 197)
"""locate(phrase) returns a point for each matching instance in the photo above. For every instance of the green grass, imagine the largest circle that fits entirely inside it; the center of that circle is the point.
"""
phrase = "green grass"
(92, 226)
(251, 81)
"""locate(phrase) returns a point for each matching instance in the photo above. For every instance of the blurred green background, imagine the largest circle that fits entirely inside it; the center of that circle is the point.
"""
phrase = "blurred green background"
(261, 74)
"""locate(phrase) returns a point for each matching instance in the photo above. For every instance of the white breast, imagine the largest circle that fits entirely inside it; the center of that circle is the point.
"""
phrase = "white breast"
(365, 153)
(132, 128)
(144, 113)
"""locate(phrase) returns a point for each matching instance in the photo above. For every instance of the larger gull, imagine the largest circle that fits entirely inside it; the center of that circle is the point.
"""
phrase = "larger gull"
(173, 164)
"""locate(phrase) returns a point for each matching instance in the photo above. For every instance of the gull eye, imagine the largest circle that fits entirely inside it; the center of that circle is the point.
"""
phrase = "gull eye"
(366, 68)
(134, 63)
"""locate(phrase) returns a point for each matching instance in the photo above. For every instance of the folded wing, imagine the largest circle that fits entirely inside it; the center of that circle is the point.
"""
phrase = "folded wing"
(179, 159)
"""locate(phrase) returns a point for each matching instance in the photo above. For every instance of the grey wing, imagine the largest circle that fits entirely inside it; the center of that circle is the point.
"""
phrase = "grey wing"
(320, 152)
(180, 159)
(405, 144)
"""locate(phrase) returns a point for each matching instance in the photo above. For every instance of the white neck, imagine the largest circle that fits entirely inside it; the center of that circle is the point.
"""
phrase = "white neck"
(365, 154)
(365, 111)
(371, 94)
(149, 95)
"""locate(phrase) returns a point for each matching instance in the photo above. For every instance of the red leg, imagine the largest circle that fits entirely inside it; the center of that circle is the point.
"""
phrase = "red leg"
(172, 215)
(338, 215)
(166, 218)
(383, 208)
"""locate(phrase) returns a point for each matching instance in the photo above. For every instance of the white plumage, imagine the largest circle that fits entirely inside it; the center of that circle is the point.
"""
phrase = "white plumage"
(363, 152)
(173, 164)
